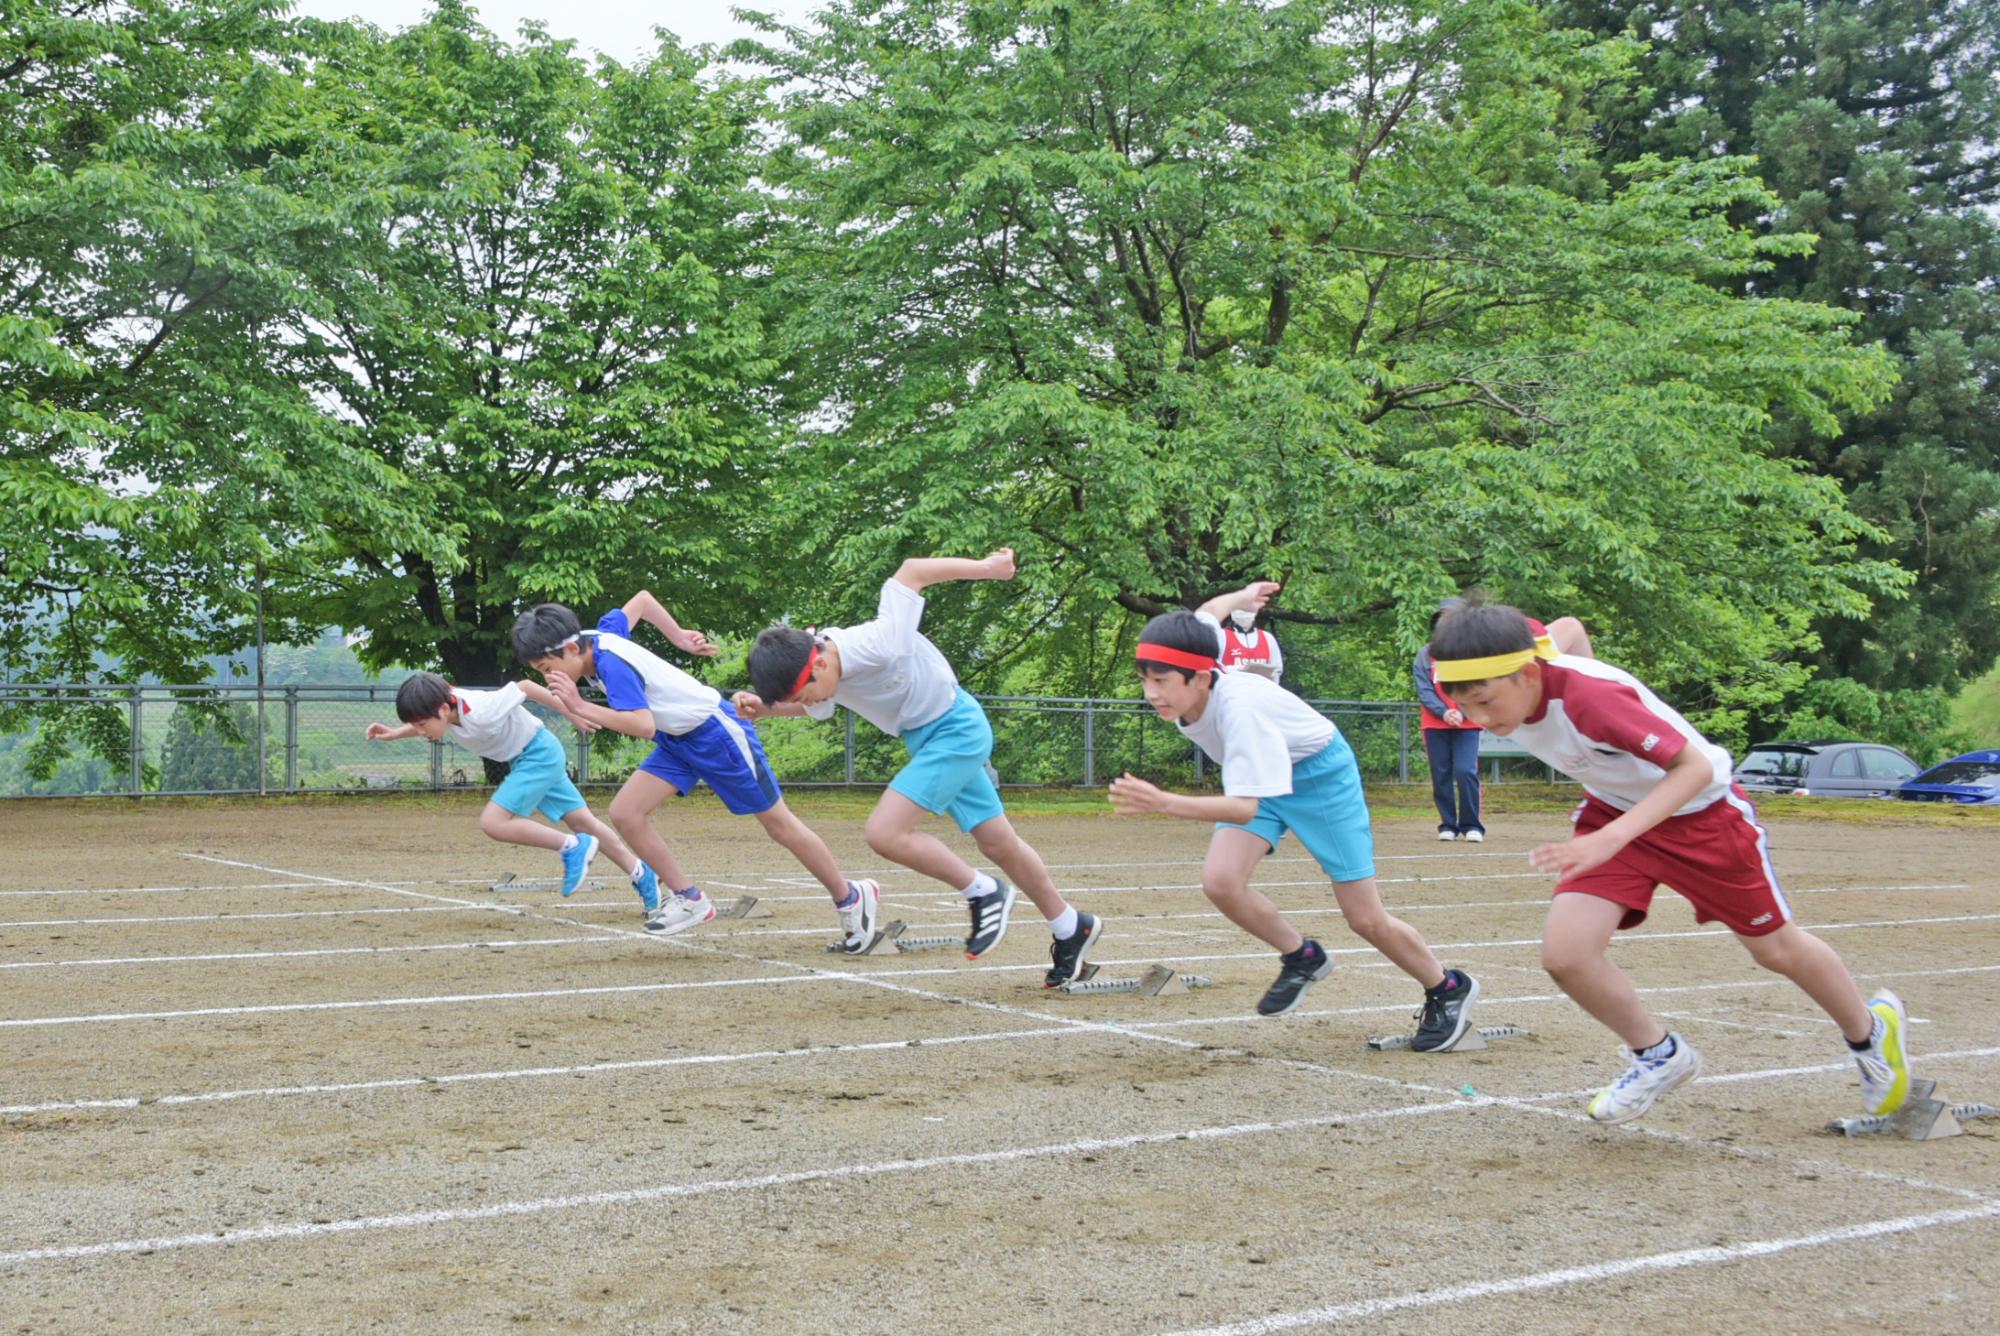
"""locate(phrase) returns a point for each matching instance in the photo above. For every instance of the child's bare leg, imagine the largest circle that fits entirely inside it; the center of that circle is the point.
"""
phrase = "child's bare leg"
(782, 824)
(999, 841)
(500, 824)
(1819, 970)
(892, 832)
(1574, 941)
(584, 822)
(1225, 878)
(1361, 905)
(631, 813)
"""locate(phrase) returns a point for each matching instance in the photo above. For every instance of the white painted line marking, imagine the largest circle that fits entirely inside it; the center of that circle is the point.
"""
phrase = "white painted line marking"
(501, 943)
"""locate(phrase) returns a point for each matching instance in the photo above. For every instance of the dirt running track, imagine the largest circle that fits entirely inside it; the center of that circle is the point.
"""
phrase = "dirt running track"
(293, 1067)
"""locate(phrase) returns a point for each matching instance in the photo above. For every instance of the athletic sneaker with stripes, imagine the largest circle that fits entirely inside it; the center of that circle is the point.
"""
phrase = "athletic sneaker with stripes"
(859, 920)
(1885, 1063)
(1066, 953)
(1632, 1094)
(989, 919)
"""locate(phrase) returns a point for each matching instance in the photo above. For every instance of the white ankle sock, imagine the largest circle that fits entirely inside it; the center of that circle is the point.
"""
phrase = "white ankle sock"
(1063, 925)
(569, 843)
(982, 884)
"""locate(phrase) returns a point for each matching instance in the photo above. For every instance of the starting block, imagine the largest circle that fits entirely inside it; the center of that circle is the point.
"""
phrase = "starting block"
(1158, 981)
(511, 883)
(1469, 1042)
(894, 940)
(1923, 1117)
(742, 907)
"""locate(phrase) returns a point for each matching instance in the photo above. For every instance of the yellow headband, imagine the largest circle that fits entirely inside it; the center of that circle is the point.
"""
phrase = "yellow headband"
(1494, 665)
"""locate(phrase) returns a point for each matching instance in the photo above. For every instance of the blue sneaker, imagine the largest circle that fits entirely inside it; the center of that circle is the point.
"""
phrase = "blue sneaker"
(647, 883)
(576, 861)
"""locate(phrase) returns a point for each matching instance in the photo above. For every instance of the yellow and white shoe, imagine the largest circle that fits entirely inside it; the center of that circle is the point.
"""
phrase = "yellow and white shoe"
(1885, 1063)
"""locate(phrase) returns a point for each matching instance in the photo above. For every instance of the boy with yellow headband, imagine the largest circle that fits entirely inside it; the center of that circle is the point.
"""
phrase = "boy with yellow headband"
(1660, 807)
(1285, 767)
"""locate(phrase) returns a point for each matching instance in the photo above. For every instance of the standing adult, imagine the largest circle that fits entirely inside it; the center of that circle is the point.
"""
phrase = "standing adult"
(1451, 745)
(1250, 649)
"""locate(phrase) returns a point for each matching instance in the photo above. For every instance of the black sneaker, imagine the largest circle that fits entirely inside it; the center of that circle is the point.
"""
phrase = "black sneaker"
(1447, 1013)
(1295, 980)
(1066, 953)
(989, 919)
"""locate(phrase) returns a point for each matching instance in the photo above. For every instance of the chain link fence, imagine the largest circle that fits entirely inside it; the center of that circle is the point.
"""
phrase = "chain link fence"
(299, 739)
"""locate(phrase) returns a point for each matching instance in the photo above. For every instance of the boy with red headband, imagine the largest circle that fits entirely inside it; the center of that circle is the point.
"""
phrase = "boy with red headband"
(1285, 767)
(1660, 808)
(890, 674)
(696, 739)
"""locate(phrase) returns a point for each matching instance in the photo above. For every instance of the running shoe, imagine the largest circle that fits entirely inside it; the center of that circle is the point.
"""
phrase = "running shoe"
(576, 861)
(681, 912)
(989, 919)
(1447, 1013)
(1885, 1063)
(1294, 981)
(1066, 953)
(1644, 1081)
(647, 883)
(858, 921)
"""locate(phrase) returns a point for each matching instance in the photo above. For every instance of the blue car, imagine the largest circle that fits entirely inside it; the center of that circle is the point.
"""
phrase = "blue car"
(1971, 778)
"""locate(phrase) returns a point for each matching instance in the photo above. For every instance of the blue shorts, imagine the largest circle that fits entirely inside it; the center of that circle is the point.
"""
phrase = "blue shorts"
(947, 768)
(538, 781)
(723, 750)
(1325, 810)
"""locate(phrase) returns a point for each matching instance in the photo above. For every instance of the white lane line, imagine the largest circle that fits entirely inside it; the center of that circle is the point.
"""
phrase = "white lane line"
(503, 942)
(1596, 1271)
(669, 1191)
(334, 881)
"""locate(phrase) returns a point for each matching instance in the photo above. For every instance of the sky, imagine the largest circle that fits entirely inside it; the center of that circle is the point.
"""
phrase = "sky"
(621, 29)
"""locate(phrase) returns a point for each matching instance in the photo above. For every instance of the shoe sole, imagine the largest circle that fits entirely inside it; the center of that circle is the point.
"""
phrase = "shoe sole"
(683, 925)
(1464, 1017)
(1006, 914)
(1902, 1070)
(1096, 931)
(589, 852)
(1693, 1071)
(1325, 969)
(871, 924)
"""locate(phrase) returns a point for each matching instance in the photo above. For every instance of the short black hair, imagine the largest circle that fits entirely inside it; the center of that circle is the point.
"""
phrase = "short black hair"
(542, 629)
(1181, 630)
(1452, 604)
(1478, 631)
(776, 660)
(421, 696)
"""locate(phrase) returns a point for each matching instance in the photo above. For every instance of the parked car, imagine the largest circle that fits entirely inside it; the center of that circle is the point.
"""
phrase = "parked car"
(1971, 778)
(1825, 769)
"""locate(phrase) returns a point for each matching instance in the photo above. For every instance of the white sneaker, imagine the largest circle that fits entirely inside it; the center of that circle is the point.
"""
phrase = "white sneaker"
(677, 913)
(1446, 836)
(1885, 1066)
(858, 921)
(1645, 1081)
(1475, 837)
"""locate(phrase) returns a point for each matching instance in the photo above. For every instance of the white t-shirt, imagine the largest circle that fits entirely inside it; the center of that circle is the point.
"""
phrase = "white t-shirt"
(635, 678)
(1602, 727)
(890, 674)
(493, 724)
(1255, 730)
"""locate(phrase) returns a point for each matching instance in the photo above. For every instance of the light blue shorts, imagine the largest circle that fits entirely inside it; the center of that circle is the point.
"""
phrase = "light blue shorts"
(947, 768)
(539, 781)
(1325, 810)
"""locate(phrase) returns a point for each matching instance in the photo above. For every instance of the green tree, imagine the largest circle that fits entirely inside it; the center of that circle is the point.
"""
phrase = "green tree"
(1185, 292)
(1878, 126)
(213, 748)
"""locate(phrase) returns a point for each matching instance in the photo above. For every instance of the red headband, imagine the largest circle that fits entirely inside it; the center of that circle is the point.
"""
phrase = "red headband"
(1175, 658)
(805, 673)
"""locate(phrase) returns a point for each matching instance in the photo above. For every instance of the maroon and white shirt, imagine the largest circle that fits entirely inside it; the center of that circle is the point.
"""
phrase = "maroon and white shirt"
(1256, 652)
(1602, 727)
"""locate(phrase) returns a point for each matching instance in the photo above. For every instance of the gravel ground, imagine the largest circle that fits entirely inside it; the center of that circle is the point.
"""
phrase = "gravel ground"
(333, 1082)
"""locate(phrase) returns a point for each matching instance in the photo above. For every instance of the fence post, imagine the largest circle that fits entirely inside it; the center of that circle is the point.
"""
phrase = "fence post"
(1089, 745)
(437, 764)
(848, 715)
(291, 739)
(137, 707)
(582, 758)
(1402, 746)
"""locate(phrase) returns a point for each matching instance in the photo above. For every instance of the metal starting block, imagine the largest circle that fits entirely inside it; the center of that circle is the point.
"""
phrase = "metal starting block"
(1470, 1041)
(511, 883)
(894, 940)
(1923, 1117)
(1158, 981)
(742, 907)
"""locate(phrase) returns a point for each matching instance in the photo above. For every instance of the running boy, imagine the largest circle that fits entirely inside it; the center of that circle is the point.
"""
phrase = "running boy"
(1284, 767)
(895, 678)
(1659, 808)
(497, 726)
(696, 736)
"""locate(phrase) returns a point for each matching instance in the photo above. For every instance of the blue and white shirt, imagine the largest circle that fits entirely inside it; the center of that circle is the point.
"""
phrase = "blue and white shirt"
(635, 678)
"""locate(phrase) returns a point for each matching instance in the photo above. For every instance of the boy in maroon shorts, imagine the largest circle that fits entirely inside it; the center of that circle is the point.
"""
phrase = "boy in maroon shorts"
(1660, 809)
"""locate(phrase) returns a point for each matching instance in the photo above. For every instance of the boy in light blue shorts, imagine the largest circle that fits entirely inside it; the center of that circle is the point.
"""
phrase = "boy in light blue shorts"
(496, 726)
(890, 674)
(1285, 767)
(697, 738)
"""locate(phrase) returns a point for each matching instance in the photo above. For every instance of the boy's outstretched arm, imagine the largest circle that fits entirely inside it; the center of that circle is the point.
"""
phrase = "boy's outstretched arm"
(643, 607)
(919, 573)
(548, 700)
(384, 733)
(1132, 795)
(1252, 596)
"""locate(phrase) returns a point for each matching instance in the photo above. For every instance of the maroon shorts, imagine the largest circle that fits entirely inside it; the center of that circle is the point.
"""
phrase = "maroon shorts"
(1718, 858)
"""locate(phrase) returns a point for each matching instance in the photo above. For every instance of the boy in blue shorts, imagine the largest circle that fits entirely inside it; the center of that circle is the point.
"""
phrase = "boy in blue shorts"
(1284, 767)
(696, 737)
(890, 674)
(496, 726)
